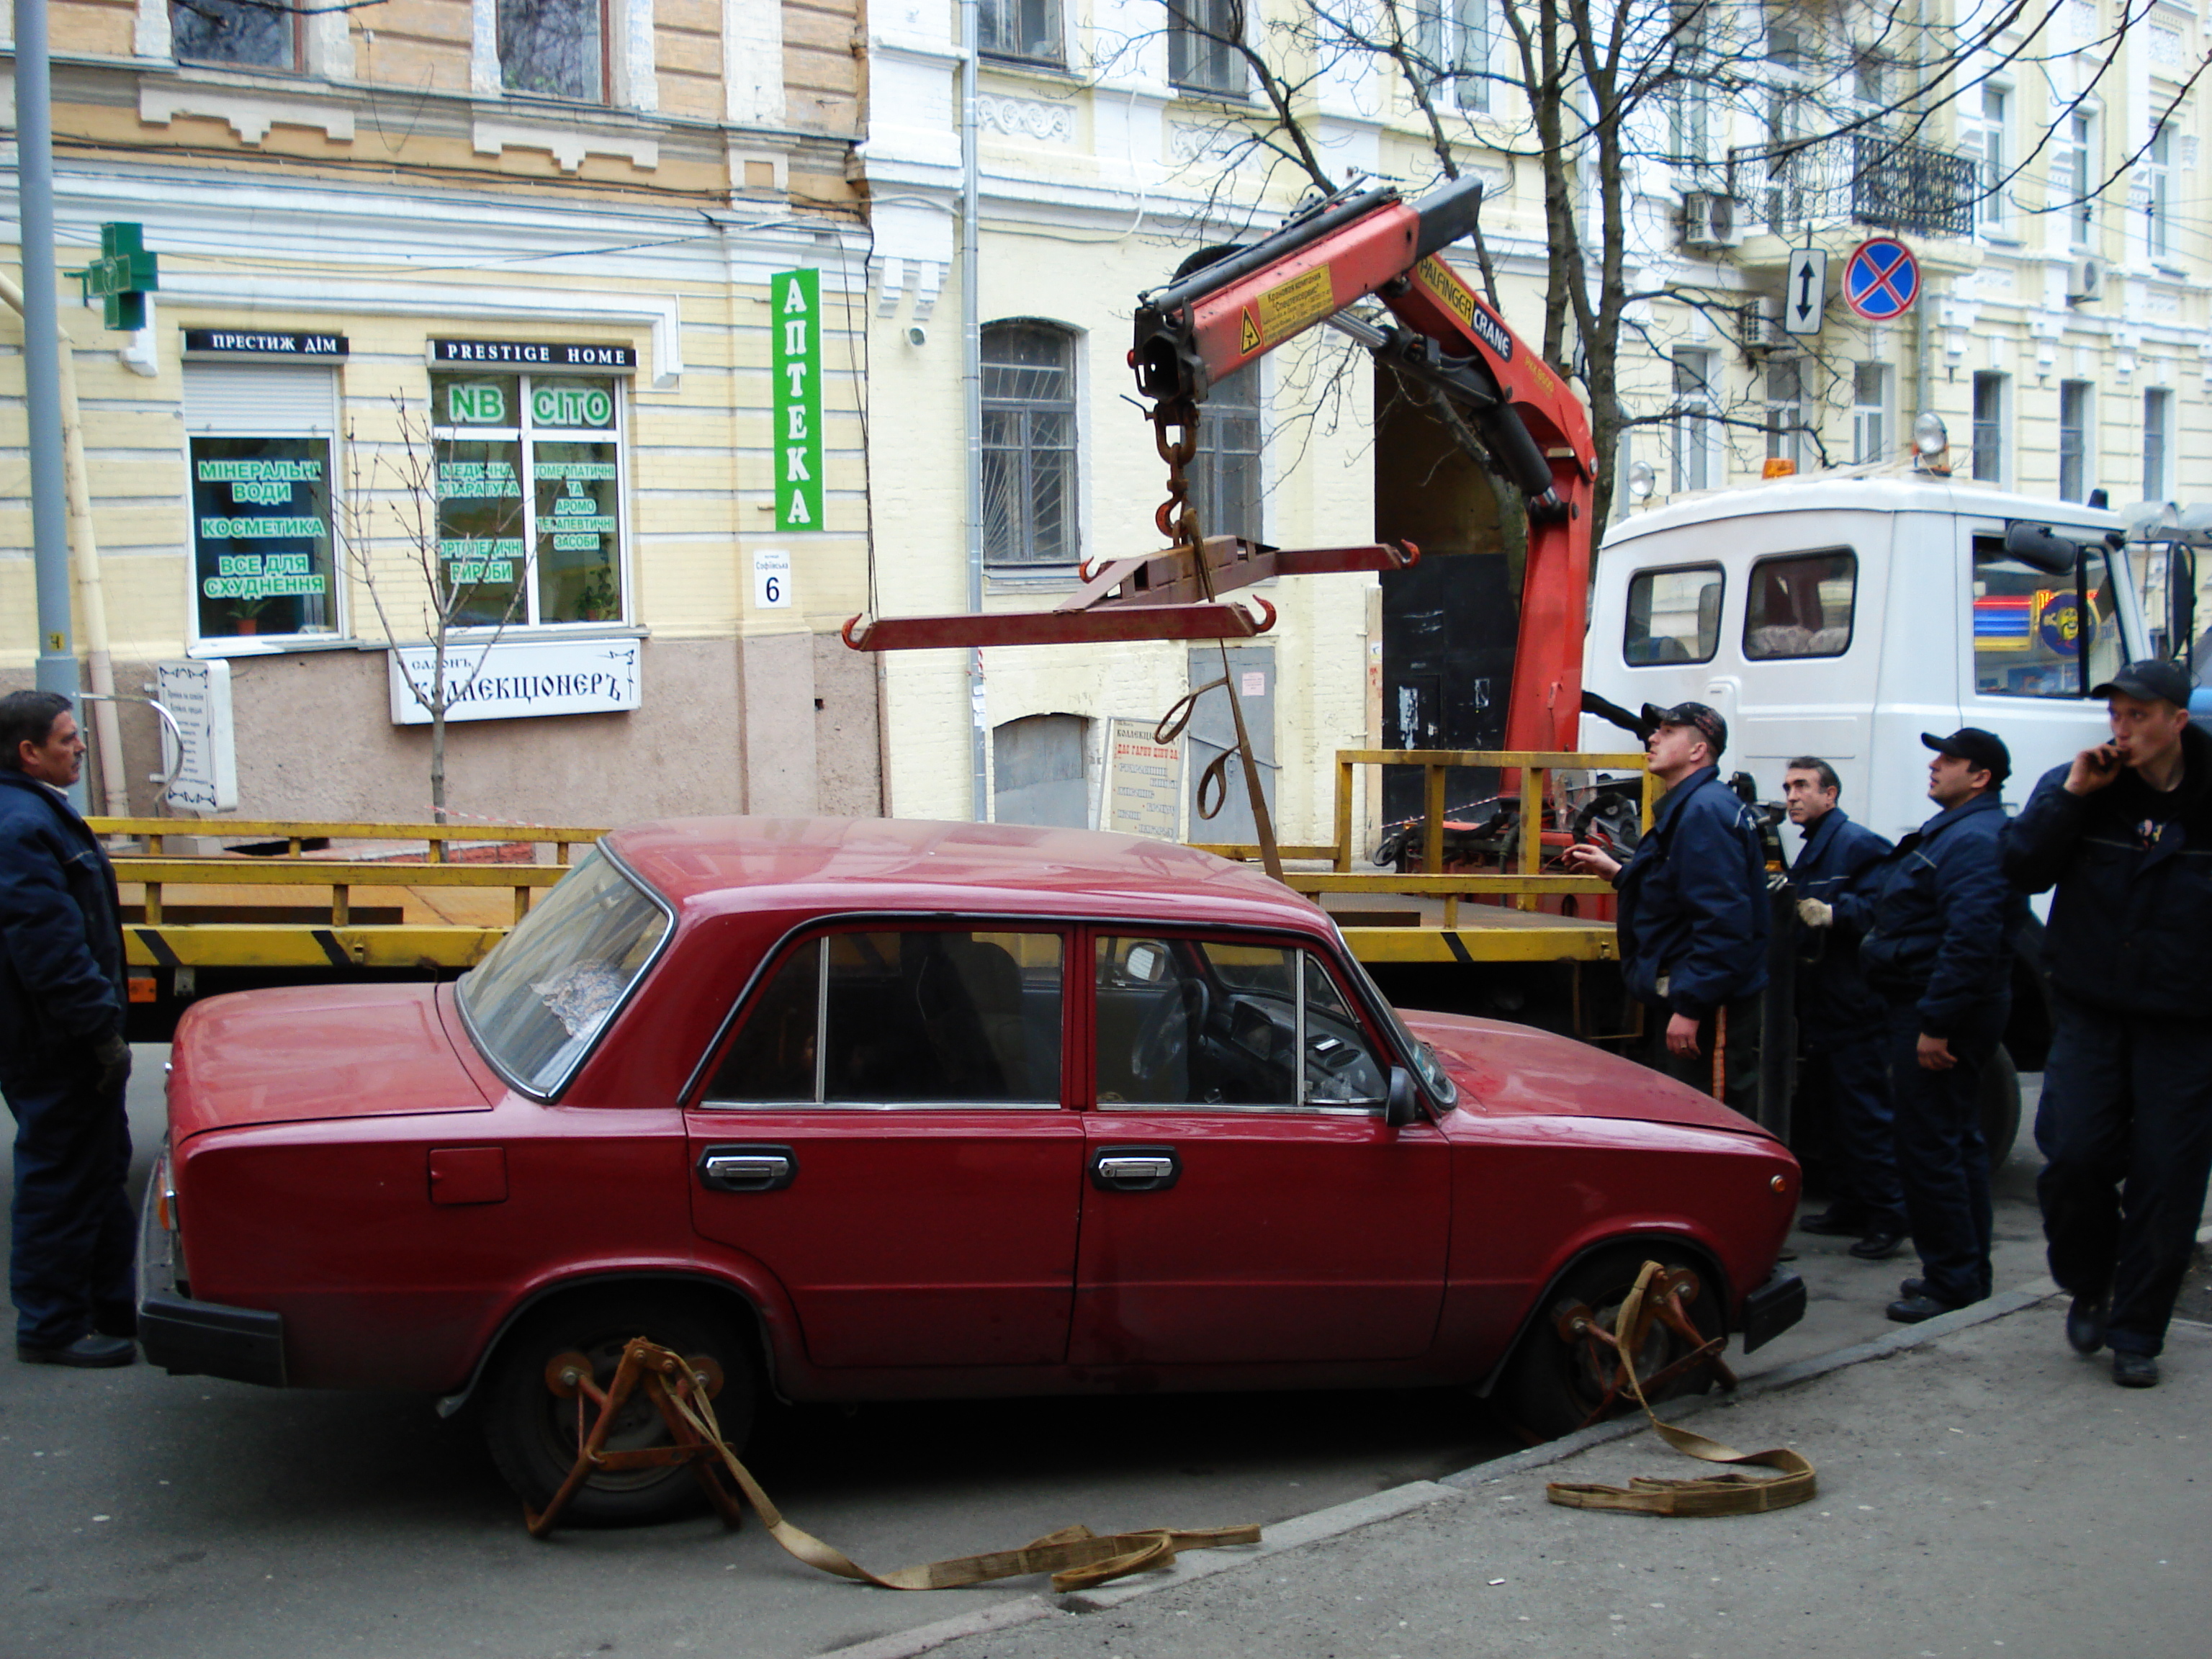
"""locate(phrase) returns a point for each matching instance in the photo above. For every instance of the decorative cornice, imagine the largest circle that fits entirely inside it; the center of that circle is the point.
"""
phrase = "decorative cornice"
(1025, 117)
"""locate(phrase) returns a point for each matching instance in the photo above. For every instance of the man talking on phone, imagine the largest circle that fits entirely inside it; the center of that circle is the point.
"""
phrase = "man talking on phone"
(2124, 833)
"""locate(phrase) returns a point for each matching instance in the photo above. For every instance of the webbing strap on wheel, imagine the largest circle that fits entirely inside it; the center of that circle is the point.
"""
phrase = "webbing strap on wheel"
(1076, 1557)
(1712, 1494)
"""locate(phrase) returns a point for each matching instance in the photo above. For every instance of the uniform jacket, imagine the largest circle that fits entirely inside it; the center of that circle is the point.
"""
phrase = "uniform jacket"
(61, 944)
(1839, 858)
(2131, 923)
(1939, 928)
(1693, 900)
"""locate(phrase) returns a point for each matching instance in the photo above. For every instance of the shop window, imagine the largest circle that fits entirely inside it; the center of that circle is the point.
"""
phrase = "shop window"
(261, 454)
(529, 477)
(2032, 629)
(1800, 606)
(556, 48)
(1673, 615)
(1028, 444)
(235, 32)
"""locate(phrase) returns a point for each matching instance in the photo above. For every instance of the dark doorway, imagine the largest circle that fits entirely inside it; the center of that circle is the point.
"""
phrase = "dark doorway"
(1448, 624)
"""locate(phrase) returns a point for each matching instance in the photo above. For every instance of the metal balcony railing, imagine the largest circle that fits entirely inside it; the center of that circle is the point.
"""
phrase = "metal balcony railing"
(1861, 176)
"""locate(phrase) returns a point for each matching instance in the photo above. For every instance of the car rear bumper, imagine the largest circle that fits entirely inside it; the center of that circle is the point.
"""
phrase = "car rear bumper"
(190, 1337)
(1773, 1309)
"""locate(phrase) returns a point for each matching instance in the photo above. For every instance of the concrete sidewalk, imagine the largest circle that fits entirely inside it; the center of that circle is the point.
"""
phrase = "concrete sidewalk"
(1983, 1490)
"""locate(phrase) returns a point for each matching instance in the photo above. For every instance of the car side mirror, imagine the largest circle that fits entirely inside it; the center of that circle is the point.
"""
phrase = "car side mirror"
(1403, 1107)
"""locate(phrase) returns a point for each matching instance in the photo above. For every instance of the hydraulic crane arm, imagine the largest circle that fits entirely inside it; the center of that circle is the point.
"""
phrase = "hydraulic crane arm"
(1212, 320)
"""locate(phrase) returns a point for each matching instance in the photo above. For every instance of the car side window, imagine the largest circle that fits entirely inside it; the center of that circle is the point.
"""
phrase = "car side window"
(1184, 1021)
(1673, 615)
(1800, 606)
(899, 1016)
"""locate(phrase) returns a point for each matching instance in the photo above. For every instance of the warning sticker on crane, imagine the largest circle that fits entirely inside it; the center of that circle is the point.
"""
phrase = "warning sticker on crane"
(1248, 335)
(1285, 309)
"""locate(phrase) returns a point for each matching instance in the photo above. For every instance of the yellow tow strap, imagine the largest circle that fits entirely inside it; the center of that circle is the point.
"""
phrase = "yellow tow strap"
(1714, 1494)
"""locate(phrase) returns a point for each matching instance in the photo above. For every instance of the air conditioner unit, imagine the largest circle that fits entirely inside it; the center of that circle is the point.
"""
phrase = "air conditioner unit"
(1762, 326)
(2085, 281)
(1708, 220)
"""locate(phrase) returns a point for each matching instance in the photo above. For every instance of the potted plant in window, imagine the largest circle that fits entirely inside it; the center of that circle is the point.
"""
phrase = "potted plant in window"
(597, 603)
(246, 614)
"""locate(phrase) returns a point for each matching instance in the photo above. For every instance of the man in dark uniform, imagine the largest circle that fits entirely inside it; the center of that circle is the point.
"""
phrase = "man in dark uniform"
(63, 1057)
(1693, 920)
(1938, 948)
(1840, 1021)
(2124, 834)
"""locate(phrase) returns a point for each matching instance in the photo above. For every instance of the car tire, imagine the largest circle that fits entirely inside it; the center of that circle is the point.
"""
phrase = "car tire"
(1549, 1386)
(532, 1431)
(1999, 1106)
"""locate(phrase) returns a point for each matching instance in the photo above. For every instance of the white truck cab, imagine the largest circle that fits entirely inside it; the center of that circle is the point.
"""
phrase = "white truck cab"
(1842, 616)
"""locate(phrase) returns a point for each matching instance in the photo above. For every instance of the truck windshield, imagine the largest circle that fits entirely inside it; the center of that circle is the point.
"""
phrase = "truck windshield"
(538, 1001)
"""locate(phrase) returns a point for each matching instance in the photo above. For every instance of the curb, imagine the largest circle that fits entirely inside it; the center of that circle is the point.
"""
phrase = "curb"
(1340, 1518)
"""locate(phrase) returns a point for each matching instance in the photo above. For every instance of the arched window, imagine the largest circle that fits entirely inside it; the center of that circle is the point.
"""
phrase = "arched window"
(1029, 443)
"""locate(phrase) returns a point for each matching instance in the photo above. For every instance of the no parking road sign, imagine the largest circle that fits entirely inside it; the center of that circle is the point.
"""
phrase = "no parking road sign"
(1881, 279)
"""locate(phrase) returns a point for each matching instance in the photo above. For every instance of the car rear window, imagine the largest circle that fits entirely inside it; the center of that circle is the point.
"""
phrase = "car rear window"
(546, 991)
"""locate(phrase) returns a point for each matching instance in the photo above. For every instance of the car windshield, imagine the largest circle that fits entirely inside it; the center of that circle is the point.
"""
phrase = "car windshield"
(539, 999)
(1441, 1088)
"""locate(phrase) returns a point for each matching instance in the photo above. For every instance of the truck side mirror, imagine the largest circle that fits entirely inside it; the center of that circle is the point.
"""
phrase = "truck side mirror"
(2034, 545)
(1402, 1109)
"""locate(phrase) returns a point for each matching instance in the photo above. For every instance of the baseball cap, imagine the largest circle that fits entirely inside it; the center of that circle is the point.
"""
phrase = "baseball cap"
(1705, 718)
(2150, 680)
(1984, 751)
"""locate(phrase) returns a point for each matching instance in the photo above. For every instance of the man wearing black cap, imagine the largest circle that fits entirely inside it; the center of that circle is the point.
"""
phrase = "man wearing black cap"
(2124, 834)
(1938, 948)
(1692, 921)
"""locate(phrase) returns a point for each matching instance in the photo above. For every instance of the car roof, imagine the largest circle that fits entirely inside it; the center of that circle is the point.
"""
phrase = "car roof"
(1837, 492)
(729, 864)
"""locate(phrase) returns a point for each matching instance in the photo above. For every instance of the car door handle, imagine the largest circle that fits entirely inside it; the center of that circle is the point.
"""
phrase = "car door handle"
(1135, 1168)
(748, 1169)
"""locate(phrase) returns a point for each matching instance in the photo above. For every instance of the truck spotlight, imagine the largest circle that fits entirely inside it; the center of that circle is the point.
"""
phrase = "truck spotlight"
(1932, 444)
(1642, 480)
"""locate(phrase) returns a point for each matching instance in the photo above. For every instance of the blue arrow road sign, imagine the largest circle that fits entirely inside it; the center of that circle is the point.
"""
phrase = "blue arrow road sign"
(1881, 279)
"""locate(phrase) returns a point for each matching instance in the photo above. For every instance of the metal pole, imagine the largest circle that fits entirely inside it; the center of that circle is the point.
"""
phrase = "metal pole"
(971, 387)
(42, 372)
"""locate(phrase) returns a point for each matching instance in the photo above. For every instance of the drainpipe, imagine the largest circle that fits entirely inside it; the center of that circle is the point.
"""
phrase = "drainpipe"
(971, 389)
(91, 594)
(34, 171)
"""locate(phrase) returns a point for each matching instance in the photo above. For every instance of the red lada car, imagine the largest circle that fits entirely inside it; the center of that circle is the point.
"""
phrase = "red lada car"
(875, 1109)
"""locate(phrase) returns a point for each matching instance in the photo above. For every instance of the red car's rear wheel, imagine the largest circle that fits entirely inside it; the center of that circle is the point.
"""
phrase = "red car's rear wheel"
(532, 1431)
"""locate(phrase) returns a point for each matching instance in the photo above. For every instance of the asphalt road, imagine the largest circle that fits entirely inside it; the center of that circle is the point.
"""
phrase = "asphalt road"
(141, 1513)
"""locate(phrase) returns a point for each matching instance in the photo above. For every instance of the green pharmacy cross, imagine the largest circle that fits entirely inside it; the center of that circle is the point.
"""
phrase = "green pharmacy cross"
(123, 276)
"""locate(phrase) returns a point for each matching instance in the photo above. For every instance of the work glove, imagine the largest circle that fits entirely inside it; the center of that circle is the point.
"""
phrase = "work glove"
(111, 1058)
(1814, 914)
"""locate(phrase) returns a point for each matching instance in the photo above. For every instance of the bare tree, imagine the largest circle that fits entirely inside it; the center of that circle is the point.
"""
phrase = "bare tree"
(393, 528)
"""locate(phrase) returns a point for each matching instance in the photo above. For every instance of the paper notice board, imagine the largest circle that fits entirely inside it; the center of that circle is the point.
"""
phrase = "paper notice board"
(1144, 782)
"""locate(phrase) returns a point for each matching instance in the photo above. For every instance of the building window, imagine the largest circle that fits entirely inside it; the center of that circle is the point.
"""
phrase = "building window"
(2073, 441)
(261, 447)
(1203, 36)
(234, 32)
(1786, 411)
(1689, 102)
(1695, 404)
(554, 48)
(1452, 42)
(2071, 159)
(529, 472)
(1027, 29)
(1990, 428)
(1225, 476)
(1028, 444)
(1988, 144)
(1869, 413)
(2158, 444)
(2157, 186)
